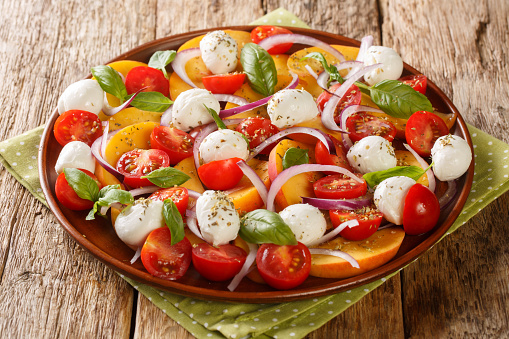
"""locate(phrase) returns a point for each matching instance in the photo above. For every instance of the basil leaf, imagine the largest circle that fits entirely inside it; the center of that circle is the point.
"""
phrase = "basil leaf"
(108, 195)
(151, 101)
(375, 178)
(173, 220)
(262, 226)
(161, 59)
(399, 100)
(295, 156)
(84, 186)
(331, 69)
(260, 69)
(167, 177)
(110, 81)
(220, 124)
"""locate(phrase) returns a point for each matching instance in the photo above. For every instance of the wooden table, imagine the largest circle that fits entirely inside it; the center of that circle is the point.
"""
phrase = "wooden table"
(51, 287)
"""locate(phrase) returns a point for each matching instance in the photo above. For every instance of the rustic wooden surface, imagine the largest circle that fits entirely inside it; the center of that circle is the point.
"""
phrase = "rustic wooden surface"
(50, 287)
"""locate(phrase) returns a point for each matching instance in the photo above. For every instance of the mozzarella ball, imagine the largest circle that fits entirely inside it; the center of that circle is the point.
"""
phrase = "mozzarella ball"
(392, 64)
(189, 109)
(451, 157)
(372, 153)
(223, 144)
(291, 106)
(390, 197)
(135, 222)
(218, 220)
(219, 52)
(75, 154)
(306, 222)
(85, 95)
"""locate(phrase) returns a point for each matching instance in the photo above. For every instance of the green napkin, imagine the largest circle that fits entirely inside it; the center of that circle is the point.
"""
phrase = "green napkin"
(211, 319)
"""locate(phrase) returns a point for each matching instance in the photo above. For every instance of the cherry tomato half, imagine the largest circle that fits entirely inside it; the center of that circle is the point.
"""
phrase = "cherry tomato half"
(418, 82)
(144, 76)
(163, 260)
(262, 32)
(179, 195)
(339, 186)
(223, 83)
(422, 130)
(361, 125)
(67, 197)
(218, 263)
(137, 163)
(77, 125)
(176, 143)
(221, 174)
(322, 155)
(257, 130)
(421, 210)
(369, 219)
(352, 97)
(283, 267)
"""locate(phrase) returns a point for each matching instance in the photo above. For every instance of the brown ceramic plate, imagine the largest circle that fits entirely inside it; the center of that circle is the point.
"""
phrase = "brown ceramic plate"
(100, 239)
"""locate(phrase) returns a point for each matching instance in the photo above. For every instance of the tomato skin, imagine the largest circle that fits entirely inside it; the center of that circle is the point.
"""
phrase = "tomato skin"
(223, 83)
(137, 163)
(339, 186)
(77, 125)
(262, 32)
(179, 195)
(361, 125)
(352, 97)
(221, 174)
(283, 267)
(369, 219)
(176, 143)
(422, 130)
(257, 130)
(144, 76)
(163, 260)
(67, 197)
(218, 264)
(418, 82)
(322, 155)
(421, 210)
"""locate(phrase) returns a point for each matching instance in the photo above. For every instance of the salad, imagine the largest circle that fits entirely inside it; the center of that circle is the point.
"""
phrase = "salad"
(254, 158)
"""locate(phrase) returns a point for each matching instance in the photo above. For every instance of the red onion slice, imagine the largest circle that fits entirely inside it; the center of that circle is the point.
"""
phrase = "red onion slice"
(255, 179)
(424, 165)
(245, 268)
(179, 63)
(137, 255)
(278, 39)
(193, 194)
(167, 116)
(337, 204)
(283, 177)
(193, 226)
(336, 253)
(323, 78)
(334, 233)
(311, 72)
(234, 99)
(448, 196)
(144, 190)
(347, 112)
(96, 152)
(110, 111)
(104, 140)
(366, 43)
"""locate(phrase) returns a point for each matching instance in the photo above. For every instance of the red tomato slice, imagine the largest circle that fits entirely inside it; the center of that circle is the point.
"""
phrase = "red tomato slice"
(223, 83)
(339, 186)
(179, 195)
(283, 267)
(421, 210)
(176, 143)
(221, 174)
(418, 82)
(144, 76)
(369, 219)
(137, 163)
(163, 260)
(422, 130)
(322, 155)
(67, 197)
(257, 130)
(361, 125)
(262, 32)
(352, 97)
(218, 263)
(77, 125)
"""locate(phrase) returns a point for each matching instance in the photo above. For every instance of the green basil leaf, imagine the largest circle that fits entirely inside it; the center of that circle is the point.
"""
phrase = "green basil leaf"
(295, 156)
(260, 69)
(167, 177)
(151, 101)
(110, 81)
(220, 124)
(161, 59)
(173, 220)
(375, 178)
(84, 186)
(399, 100)
(331, 69)
(262, 226)
(108, 195)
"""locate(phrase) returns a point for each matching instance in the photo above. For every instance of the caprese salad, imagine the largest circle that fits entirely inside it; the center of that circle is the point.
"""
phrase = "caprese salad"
(248, 156)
